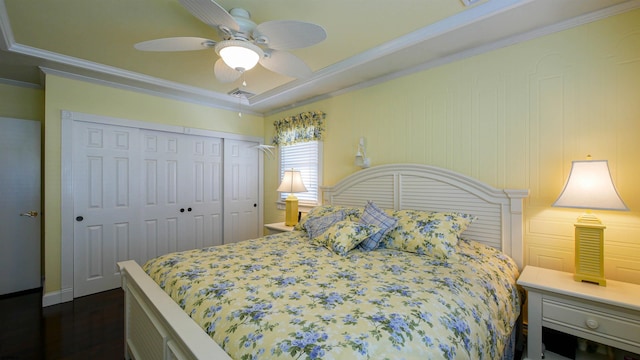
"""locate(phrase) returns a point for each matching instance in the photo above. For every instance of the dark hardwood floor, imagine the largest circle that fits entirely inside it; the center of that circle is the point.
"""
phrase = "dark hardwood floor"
(90, 327)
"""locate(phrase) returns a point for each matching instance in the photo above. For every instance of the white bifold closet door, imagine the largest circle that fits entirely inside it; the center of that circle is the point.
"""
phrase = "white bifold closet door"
(182, 192)
(143, 193)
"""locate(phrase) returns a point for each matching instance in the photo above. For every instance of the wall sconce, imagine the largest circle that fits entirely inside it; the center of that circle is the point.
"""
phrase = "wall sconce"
(361, 156)
(291, 183)
(590, 186)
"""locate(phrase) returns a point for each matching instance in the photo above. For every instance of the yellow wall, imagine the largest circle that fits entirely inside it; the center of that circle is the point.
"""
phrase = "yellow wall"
(514, 118)
(21, 102)
(78, 96)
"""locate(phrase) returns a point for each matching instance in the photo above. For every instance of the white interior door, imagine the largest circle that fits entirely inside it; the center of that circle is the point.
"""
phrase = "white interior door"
(19, 205)
(240, 190)
(106, 185)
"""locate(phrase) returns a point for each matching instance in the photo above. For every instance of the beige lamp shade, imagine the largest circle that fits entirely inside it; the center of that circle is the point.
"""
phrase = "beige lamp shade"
(291, 182)
(590, 187)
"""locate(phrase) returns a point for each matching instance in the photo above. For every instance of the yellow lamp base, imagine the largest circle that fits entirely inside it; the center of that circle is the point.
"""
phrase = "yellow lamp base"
(589, 250)
(291, 210)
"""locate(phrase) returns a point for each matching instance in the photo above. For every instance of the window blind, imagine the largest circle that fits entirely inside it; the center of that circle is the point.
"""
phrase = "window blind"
(304, 157)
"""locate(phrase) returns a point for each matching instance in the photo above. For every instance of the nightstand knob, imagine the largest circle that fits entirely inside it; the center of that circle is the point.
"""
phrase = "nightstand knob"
(592, 324)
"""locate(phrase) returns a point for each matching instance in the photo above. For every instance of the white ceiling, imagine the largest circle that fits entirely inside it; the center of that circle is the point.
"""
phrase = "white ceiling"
(368, 41)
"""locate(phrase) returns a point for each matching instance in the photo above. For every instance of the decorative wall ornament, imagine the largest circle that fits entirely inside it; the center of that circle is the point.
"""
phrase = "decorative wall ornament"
(267, 150)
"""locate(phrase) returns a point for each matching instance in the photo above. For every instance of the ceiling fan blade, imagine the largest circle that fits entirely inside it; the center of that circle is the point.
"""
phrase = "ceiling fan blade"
(285, 63)
(175, 44)
(224, 73)
(289, 34)
(210, 13)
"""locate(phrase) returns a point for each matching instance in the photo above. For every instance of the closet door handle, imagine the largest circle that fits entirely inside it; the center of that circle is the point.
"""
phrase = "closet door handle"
(182, 210)
(255, 205)
(189, 209)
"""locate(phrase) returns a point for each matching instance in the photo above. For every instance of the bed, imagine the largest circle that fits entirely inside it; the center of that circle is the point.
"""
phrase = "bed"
(294, 295)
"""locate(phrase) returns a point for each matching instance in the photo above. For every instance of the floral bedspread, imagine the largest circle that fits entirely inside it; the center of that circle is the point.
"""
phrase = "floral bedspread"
(283, 297)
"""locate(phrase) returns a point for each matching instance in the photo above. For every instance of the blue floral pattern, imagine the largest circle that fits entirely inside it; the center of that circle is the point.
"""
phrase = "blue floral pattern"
(423, 232)
(282, 296)
(303, 127)
(345, 235)
(351, 213)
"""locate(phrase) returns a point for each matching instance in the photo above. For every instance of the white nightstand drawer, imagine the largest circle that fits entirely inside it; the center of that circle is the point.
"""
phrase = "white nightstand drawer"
(600, 322)
(559, 302)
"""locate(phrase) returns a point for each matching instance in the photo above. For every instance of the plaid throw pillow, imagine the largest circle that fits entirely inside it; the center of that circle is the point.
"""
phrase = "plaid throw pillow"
(316, 226)
(373, 215)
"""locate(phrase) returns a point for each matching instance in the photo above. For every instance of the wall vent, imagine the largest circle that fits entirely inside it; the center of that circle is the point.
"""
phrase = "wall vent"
(241, 93)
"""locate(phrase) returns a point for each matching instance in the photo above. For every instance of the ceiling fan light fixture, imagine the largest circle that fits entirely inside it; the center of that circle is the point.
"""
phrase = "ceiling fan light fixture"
(239, 55)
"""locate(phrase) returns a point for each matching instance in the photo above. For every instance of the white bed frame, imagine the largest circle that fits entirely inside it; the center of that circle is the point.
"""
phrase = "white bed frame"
(157, 328)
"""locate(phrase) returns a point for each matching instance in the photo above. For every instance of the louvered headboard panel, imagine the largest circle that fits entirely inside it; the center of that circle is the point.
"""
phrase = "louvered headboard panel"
(424, 187)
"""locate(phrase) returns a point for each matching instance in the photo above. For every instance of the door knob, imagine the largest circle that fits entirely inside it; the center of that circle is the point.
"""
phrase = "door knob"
(79, 218)
(30, 214)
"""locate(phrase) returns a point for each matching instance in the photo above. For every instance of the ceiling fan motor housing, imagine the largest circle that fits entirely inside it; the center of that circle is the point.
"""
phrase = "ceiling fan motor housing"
(243, 18)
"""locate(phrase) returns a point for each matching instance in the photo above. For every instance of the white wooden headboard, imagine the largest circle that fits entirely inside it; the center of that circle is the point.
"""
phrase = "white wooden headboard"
(424, 187)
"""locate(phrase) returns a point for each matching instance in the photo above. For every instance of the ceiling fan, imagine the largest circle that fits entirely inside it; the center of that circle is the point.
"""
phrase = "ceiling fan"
(244, 43)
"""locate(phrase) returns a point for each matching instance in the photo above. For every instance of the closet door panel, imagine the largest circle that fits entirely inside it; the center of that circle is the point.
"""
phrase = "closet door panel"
(106, 204)
(183, 186)
(161, 203)
(202, 165)
(240, 190)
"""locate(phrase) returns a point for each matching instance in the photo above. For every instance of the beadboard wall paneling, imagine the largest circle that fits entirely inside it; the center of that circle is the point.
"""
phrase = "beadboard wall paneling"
(514, 118)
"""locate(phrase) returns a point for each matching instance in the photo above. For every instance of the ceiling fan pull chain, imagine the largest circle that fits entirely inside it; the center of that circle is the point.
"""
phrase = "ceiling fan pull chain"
(244, 84)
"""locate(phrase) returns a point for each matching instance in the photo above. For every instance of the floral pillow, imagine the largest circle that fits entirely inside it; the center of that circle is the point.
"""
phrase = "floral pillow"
(345, 235)
(373, 215)
(322, 210)
(430, 233)
(317, 225)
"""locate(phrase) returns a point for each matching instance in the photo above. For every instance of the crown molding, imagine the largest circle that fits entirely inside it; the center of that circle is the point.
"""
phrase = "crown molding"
(193, 98)
(6, 38)
(20, 84)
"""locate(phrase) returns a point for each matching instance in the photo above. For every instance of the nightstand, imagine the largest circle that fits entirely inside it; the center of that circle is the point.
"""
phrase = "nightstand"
(608, 315)
(276, 228)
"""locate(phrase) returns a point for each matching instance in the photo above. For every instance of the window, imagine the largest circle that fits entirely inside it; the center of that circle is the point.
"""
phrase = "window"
(300, 140)
(305, 157)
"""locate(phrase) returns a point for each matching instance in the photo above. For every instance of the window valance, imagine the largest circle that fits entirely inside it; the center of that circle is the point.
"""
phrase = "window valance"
(306, 126)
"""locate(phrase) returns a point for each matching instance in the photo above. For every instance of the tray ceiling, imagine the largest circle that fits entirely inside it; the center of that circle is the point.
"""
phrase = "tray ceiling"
(368, 41)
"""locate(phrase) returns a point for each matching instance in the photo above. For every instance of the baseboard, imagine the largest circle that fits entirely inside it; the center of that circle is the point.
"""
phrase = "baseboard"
(57, 297)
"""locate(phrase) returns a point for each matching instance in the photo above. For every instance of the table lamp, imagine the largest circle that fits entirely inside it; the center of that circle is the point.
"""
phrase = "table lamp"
(291, 183)
(590, 186)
